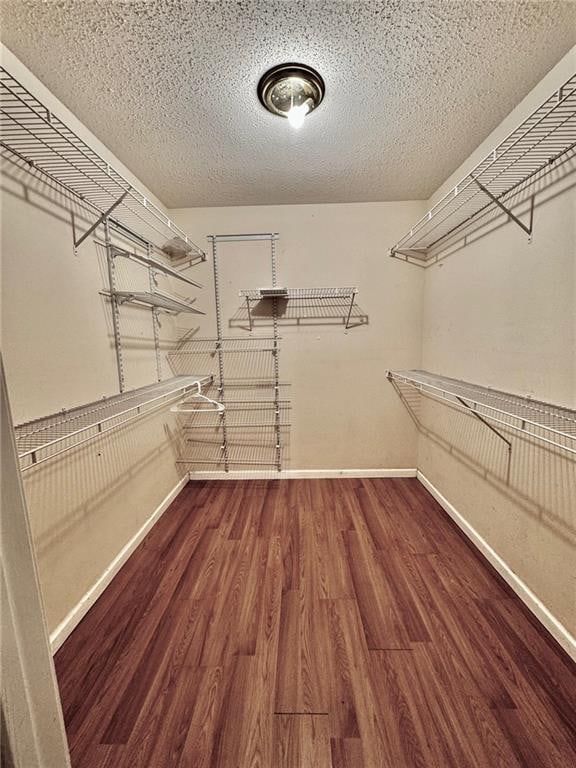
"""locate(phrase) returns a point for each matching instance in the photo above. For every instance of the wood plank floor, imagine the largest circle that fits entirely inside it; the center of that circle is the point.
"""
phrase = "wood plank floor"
(313, 623)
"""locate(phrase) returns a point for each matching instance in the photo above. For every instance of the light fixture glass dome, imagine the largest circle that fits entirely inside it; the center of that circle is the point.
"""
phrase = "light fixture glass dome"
(292, 91)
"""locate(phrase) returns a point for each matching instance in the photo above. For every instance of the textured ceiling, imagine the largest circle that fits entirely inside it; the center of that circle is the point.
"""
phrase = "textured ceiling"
(412, 87)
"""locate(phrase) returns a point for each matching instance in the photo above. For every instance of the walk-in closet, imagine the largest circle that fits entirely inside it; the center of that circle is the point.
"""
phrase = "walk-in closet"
(288, 320)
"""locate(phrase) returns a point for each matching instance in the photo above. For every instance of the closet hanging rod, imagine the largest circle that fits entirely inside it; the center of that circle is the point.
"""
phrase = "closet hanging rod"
(243, 237)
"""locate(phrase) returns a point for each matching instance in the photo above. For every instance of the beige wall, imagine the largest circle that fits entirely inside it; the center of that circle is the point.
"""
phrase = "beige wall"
(502, 312)
(58, 351)
(344, 414)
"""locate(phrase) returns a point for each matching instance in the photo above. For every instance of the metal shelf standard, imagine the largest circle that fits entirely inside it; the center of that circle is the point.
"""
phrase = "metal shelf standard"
(295, 294)
(551, 424)
(33, 133)
(533, 147)
(45, 438)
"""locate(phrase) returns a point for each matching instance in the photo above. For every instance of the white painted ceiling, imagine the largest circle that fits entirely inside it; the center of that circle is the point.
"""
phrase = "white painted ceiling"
(412, 87)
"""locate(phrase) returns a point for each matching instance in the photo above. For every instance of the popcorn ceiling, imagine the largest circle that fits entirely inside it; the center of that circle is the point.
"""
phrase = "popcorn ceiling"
(412, 87)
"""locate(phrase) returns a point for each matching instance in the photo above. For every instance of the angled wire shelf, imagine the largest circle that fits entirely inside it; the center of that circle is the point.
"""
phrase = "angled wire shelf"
(551, 424)
(154, 265)
(157, 300)
(32, 133)
(45, 438)
(531, 149)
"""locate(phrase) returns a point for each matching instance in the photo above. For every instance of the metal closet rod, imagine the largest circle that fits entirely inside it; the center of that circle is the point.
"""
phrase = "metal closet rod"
(244, 237)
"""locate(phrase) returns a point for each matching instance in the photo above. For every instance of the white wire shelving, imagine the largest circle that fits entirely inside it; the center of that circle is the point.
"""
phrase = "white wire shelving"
(153, 299)
(154, 265)
(552, 424)
(536, 145)
(298, 294)
(45, 438)
(34, 134)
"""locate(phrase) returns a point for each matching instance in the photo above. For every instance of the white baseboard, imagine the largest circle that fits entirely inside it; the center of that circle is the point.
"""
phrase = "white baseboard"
(65, 628)
(293, 474)
(535, 605)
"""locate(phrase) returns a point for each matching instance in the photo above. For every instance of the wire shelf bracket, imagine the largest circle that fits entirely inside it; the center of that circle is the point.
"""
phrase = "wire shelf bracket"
(546, 136)
(551, 424)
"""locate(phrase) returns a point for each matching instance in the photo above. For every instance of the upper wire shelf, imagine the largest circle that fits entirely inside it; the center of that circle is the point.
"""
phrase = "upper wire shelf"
(33, 133)
(301, 294)
(551, 424)
(257, 294)
(48, 437)
(533, 147)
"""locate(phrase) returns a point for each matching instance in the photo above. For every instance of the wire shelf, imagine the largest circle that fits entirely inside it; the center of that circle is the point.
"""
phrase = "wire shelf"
(231, 344)
(258, 294)
(552, 424)
(299, 294)
(157, 300)
(154, 265)
(31, 132)
(45, 438)
(533, 147)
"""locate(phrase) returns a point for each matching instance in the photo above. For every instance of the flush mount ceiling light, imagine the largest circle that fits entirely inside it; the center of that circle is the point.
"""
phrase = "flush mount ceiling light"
(292, 91)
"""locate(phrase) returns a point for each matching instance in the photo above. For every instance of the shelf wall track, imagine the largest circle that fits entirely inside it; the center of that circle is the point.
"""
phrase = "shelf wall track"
(43, 439)
(31, 132)
(261, 410)
(545, 138)
(551, 424)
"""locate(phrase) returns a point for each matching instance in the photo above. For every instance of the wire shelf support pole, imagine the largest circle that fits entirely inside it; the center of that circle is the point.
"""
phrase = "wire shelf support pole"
(219, 335)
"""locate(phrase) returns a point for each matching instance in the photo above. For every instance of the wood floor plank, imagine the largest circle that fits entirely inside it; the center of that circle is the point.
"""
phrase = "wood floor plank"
(301, 740)
(330, 623)
(381, 616)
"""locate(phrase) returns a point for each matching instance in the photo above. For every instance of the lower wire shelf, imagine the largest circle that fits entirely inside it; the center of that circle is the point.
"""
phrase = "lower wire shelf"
(552, 424)
(45, 438)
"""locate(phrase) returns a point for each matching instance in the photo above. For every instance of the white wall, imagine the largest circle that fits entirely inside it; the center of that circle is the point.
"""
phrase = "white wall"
(59, 352)
(502, 312)
(344, 413)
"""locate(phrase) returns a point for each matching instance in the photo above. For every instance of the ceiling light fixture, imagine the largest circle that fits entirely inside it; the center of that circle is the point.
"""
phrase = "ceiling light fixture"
(292, 91)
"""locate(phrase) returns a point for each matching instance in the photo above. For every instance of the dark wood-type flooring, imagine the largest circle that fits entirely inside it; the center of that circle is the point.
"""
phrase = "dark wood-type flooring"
(300, 623)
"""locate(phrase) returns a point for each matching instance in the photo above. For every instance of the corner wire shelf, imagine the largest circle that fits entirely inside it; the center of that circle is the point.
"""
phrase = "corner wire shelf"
(552, 424)
(34, 134)
(157, 300)
(298, 294)
(45, 438)
(533, 147)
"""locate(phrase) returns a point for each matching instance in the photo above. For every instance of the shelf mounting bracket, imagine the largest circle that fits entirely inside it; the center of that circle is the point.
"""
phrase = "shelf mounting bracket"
(485, 422)
(507, 211)
(100, 220)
